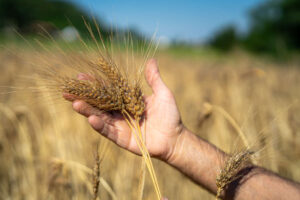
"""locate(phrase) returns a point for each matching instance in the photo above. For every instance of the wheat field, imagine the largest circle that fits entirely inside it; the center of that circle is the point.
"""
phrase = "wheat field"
(47, 151)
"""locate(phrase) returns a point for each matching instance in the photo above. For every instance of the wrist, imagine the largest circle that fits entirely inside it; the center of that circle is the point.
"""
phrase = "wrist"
(176, 147)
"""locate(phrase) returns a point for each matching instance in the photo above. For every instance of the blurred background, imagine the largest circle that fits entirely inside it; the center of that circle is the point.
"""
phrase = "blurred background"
(259, 26)
(224, 61)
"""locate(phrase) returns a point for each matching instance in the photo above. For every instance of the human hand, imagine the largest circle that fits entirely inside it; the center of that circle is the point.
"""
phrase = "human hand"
(162, 119)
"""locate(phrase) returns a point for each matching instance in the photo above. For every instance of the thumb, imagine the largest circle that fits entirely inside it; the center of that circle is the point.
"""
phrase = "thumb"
(153, 78)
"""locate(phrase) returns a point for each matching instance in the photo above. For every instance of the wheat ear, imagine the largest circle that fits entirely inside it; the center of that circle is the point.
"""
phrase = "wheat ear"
(96, 176)
(230, 171)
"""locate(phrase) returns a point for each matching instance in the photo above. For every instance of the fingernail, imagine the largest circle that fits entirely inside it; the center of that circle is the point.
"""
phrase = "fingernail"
(82, 76)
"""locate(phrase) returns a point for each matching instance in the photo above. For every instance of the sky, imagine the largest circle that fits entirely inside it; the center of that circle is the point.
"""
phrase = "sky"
(194, 21)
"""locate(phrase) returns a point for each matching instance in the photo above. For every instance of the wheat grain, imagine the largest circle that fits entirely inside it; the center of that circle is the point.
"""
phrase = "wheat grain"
(94, 93)
(230, 171)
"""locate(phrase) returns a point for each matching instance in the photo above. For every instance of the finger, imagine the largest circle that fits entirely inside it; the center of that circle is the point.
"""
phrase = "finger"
(85, 109)
(103, 125)
(82, 76)
(69, 97)
(154, 79)
(147, 99)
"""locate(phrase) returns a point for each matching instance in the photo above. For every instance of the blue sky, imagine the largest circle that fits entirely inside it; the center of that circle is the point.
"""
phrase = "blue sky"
(185, 20)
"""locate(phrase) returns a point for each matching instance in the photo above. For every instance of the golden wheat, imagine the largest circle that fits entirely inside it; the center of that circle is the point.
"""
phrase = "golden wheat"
(96, 176)
(230, 171)
(260, 105)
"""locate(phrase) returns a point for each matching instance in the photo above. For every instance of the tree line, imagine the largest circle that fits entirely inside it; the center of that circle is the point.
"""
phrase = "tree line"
(274, 28)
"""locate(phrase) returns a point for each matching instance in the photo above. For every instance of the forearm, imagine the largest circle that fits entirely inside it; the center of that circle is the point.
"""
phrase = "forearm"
(197, 159)
(202, 161)
(260, 183)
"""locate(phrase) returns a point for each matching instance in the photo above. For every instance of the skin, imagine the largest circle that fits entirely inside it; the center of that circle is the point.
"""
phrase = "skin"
(170, 141)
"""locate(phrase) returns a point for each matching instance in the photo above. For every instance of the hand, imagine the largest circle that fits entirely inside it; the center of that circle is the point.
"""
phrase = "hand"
(163, 123)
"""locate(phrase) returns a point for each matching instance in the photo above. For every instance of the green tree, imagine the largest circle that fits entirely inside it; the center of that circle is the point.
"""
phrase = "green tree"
(275, 27)
(22, 13)
(225, 39)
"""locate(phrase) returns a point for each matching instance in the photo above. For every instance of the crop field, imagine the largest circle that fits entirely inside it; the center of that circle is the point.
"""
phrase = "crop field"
(47, 151)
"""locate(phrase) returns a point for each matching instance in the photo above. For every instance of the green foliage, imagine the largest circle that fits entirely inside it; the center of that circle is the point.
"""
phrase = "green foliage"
(21, 14)
(225, 39)
(275, 27)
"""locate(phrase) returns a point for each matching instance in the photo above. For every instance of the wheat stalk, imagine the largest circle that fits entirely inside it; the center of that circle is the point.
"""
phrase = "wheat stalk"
(141, 185)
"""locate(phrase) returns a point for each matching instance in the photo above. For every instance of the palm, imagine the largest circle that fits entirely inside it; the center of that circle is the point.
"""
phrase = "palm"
(160, 125)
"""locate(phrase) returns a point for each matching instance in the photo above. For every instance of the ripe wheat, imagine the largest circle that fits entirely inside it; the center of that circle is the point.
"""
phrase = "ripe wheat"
(230, 171)
(112, 92)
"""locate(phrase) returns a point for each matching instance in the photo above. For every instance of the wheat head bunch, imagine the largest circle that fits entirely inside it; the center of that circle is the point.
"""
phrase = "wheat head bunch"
(107, 90)
(230, 171)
